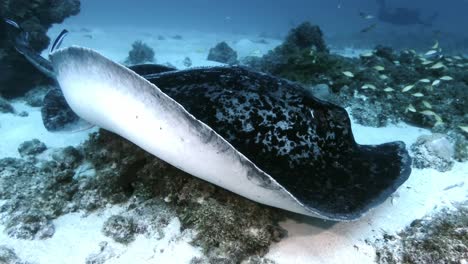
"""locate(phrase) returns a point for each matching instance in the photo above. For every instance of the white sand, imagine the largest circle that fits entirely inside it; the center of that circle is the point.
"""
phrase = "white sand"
(77, 236)
(310, 240)
(14, 130)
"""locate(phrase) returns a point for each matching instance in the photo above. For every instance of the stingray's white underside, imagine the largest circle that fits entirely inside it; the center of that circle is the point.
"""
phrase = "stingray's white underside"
(112, 97)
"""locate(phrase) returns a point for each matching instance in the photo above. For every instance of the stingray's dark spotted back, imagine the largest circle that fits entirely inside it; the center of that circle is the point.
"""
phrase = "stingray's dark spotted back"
(305, 144)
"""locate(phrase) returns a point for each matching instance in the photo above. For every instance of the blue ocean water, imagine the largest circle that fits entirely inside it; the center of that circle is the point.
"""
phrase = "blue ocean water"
(416, 97)
(339, 20)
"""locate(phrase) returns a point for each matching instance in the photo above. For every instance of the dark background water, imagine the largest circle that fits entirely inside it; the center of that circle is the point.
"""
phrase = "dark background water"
(338, 19)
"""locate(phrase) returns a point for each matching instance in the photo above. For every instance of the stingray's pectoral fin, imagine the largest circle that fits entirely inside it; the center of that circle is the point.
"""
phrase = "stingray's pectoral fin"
(360, 179)
(388, 166)
(57, 116)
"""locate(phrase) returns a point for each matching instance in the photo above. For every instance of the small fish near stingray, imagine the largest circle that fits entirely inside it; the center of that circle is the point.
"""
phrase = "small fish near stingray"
(259, 136)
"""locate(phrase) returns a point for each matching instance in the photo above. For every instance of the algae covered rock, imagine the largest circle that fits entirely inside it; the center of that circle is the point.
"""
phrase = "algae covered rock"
(304, 57)
(30, 225)
(306, 36)
(140, 53)
(433, 151)
(31, 148)
(69, 157)
(222, 53)
(119, 228)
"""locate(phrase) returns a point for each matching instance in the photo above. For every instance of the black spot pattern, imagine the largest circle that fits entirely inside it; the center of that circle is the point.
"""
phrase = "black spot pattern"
(303, 143)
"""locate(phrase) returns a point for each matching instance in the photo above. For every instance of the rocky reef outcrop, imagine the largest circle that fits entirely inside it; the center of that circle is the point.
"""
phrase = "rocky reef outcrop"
(223, 53)
(36, 17)
(301, 57)
(381, 86)
(140, 53)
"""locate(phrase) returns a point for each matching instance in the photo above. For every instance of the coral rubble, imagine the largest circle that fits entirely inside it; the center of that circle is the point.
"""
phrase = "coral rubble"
(108, 169)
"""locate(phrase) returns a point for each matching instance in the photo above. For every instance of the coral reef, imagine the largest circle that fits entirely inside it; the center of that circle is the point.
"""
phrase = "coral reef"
(380, 86)
(410, 90)
(31, 148)
(306, 36)
(222, 53)
(140, 53)
(438, 238)
(433, 151)
(303, 57)
(36, 17)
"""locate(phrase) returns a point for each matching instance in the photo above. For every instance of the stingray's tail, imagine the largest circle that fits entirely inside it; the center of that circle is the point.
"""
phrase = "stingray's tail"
(23, 46)
(20, 36)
